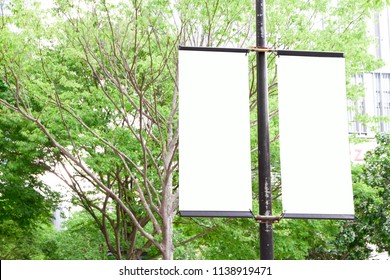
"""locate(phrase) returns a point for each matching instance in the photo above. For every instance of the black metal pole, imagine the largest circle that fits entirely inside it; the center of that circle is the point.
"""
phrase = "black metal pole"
(264, 163)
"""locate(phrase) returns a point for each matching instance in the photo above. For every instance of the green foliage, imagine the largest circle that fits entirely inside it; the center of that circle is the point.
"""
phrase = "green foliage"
(18, 243)
(101, 85)
(216, 239)
(216, 23)
(372, 206)
(295, 239)
(376, 210)
(24, 155)
(26, 204)
(80, 239)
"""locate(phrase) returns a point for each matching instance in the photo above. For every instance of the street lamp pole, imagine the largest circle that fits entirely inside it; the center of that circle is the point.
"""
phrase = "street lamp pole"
(264, 163)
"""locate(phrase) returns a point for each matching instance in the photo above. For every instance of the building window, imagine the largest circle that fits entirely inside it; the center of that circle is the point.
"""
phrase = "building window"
(382, 100)
(357, 108)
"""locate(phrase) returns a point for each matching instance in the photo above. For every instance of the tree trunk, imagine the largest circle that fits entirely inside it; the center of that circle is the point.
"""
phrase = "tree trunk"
(168, 213)
(167, 238)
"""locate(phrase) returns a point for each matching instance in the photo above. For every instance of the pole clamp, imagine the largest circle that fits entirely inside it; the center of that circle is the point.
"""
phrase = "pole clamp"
(267, 219)
(260, 49)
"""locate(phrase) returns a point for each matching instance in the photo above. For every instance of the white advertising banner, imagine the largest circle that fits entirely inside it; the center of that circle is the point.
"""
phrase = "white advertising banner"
(314, 146)
(214, 144)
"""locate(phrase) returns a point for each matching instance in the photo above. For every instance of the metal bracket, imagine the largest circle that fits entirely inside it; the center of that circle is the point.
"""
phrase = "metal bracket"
(260, 49)
(267, 219)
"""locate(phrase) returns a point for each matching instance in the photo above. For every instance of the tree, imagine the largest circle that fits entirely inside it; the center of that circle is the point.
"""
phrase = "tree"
(354, 240)
(26, 203)
(80, 239)
(24, 198)
(376, 174)
(104, 103)
(104, 79)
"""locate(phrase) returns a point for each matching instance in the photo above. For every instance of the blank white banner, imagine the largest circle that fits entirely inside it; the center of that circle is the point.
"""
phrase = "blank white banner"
(214, 145)
(314, 146)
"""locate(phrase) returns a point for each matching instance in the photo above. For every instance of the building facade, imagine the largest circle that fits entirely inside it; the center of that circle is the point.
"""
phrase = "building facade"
(374, 107)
